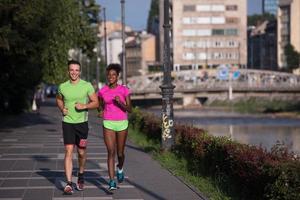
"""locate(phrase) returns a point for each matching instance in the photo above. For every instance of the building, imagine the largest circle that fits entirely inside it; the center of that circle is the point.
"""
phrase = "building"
(113, 40)
(140, 53)
(207, 33)
(262, 46)
(270, 6)
(288, 28)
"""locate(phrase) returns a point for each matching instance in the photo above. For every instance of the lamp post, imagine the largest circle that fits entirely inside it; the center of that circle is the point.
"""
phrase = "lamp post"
(167, 88)
(105, 37)
(124, 75)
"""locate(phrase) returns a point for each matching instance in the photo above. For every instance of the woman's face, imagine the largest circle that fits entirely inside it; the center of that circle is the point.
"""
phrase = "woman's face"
(112, 77)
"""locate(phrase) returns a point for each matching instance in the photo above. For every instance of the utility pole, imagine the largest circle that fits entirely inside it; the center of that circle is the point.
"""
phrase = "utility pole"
(124, 75)
(105, 37)
(168, 136)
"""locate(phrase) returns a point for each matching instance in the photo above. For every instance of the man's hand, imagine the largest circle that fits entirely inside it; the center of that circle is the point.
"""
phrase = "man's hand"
(65, 111)
(80, 106)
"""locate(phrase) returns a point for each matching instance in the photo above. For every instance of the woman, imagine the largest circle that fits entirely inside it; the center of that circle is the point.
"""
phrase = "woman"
(115, 103)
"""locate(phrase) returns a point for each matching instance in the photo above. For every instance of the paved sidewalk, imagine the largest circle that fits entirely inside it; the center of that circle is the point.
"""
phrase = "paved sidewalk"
(31, 164)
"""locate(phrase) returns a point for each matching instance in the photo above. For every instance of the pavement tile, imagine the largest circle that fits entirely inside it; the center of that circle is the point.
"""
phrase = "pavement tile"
(18, 193)
(6, 164)
(24, 165)
(11, 183)
(19, 174)
(42, 182)
(38, 194)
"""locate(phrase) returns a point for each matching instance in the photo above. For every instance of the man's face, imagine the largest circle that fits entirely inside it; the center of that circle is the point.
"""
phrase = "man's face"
(74, 72)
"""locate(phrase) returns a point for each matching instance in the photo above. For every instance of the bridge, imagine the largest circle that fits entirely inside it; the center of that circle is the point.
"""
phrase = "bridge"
(196, 86)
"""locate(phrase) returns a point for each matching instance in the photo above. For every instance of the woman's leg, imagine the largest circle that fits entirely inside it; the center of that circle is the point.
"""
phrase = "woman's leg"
(121, 141)
(110, 142)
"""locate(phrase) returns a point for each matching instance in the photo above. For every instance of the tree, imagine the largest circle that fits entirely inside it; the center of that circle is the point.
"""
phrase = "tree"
(256, 19)
(292, 57)
(35, 37)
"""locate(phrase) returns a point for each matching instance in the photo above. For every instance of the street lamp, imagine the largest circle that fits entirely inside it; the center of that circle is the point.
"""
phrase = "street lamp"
(105, 37)
(168, 138)
(123, 43)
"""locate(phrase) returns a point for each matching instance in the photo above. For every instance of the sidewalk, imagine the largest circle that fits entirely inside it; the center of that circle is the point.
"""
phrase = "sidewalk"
(31, 157)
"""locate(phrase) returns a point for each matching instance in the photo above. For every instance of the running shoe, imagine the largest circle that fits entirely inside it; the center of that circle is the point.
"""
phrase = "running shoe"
(68, 190)
(112, 185)
(120, 176)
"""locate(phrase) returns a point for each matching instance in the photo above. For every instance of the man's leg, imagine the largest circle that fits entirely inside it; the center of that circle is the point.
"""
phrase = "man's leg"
(68, 161)
(81, 159)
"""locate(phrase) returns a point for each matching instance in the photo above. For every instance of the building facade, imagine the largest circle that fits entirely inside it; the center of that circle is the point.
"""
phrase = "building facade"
(288, 19)
(270, 6)
(207, 33)
(262, 46)
(140, 53)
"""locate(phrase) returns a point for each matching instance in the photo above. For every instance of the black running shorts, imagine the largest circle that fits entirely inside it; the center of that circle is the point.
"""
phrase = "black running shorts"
(75, 134)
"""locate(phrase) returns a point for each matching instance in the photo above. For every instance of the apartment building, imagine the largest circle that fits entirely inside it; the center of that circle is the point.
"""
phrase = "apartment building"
(270, 6)
(140, 53)
(288, 20)
(207, 33)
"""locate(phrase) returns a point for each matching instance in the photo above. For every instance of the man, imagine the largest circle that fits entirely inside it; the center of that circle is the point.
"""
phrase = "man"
(75, 97)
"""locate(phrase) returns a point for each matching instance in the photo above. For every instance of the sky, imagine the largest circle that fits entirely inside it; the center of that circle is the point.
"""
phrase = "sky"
(136, 11)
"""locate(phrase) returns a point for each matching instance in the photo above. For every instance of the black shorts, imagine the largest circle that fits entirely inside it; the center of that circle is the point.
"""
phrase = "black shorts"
(75, 134)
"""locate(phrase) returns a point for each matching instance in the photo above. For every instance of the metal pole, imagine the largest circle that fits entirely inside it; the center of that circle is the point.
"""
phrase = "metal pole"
(124, 75)
(168, 138)
(97, 66)
(105, 37)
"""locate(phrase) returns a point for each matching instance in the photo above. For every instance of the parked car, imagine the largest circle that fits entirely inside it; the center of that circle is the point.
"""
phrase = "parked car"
(51, 90)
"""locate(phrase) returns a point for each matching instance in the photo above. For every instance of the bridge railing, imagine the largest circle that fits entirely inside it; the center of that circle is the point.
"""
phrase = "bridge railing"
(195, 81)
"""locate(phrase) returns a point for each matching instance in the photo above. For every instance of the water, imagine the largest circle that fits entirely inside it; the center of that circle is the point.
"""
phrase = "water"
(260, 129)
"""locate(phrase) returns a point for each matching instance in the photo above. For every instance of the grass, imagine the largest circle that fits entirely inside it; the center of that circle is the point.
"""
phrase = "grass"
(178, 167)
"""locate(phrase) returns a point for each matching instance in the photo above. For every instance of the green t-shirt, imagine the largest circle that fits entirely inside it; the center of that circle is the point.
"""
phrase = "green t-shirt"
(73, 93)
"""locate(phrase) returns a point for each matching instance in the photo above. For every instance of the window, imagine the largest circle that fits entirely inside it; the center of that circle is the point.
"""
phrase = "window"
(202, 56)
(203, 32)
(232, 20)
(188, 56)
(231, 32)
(189, 32)
(203, 8)
(189, 44)
(231, 7)
(203, 20)
(218, 32)
(188, 8)
(217, 20)
(217, 8)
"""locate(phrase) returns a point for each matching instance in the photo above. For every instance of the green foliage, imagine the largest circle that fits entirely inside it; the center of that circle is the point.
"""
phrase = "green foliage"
(292, 57)
(35, 37)
(256, 19)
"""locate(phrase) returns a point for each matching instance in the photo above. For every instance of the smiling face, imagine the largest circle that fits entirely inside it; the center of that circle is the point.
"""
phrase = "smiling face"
(112, 77)
(74, 72)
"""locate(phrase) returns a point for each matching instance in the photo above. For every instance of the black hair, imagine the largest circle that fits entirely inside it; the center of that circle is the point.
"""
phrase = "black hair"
(114, 66)
(70, 62)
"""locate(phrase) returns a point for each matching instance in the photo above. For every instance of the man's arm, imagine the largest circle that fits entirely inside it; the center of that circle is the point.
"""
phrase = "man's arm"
(61, 105)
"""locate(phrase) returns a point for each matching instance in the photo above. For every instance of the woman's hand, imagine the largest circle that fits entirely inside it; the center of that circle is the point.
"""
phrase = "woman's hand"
(100, 114)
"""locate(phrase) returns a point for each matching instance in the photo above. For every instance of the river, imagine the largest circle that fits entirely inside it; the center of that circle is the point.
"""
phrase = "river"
(255, 129)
